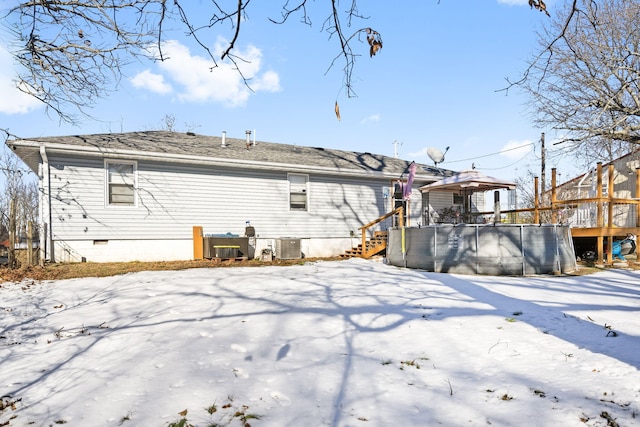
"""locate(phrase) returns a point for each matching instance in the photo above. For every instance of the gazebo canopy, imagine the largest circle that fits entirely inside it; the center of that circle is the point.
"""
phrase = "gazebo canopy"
(470, 181)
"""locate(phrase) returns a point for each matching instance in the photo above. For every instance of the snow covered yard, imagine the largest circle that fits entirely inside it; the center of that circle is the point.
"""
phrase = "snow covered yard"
(344, 343)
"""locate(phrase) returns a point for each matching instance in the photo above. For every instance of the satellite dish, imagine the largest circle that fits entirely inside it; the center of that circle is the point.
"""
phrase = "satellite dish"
(436, 154)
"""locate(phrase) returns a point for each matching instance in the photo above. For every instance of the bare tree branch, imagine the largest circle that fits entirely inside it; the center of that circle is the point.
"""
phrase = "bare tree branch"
(544, 56)
(237, 33)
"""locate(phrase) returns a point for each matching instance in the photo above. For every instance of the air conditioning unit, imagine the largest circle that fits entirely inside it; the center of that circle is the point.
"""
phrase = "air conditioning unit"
(288, 248)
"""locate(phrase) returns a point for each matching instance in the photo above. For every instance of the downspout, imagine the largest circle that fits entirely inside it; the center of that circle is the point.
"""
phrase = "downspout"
(46, 239)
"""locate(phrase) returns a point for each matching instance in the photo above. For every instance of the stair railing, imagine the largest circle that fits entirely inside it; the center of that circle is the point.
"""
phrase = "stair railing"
(397, 211)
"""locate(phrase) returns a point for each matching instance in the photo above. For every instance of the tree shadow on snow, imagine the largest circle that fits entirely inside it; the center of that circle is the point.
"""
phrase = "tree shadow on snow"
(593, 332)
(230, 305)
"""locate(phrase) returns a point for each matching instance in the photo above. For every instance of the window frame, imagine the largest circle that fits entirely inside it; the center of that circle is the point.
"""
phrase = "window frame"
(107, 183)
(305, 191)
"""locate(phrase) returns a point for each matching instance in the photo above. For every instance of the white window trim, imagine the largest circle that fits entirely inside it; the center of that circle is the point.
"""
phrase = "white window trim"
(106, 183)
(306, 191)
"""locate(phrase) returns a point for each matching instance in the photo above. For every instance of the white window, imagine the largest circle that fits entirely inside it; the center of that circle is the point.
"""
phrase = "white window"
(458, 199)
(298, 192)
(121, 183)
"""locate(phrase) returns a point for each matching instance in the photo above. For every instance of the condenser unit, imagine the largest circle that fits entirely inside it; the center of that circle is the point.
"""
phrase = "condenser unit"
(288, 248)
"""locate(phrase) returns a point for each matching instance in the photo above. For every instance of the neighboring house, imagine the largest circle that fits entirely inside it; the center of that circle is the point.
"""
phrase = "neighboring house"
(585, 185)
(138, 195)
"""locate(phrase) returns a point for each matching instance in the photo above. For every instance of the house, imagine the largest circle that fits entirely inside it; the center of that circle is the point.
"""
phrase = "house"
(585, 185)
(603, 203)
(139, 195)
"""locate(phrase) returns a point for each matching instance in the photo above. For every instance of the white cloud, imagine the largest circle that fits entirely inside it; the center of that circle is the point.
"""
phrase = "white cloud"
(268, 82)
(151, 81)
(374, 118)
(197, 79)
(516, 149)
(421, 153)
(12, 100)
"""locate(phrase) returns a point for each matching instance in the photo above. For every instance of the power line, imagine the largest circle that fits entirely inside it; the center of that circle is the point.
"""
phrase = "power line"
(507, 166)
(492, 154)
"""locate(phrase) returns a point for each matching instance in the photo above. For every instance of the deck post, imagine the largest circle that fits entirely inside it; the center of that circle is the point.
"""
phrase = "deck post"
(610, 194)
(600, 214)
(536, 201)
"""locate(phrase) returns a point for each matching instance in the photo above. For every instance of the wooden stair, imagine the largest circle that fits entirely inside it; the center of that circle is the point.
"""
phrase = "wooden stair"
(378, 243)
(373, 246)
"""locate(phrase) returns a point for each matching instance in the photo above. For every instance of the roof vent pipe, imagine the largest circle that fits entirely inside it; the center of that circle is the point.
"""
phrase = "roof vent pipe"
(224, 139)
(248, 132)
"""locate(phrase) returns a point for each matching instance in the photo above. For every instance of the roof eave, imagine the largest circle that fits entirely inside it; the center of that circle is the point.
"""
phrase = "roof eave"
(200, 160)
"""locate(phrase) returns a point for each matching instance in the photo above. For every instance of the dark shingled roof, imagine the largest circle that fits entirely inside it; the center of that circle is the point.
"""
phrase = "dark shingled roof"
(190, 145)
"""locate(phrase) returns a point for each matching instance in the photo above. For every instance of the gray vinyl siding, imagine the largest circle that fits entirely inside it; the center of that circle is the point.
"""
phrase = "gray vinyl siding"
(625, 176)
(77, 196)
(625, 187)
(338, 207)
(172, 198)
(437, 200)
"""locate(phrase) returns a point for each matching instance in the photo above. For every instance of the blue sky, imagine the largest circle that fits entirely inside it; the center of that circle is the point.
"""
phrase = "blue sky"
(435, 83)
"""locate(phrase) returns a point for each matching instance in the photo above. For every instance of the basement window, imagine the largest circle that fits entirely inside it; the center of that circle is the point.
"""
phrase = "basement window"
(298, 192)
(121, 183)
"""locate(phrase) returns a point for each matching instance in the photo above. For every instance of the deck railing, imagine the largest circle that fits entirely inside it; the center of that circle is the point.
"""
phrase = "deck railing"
(398, 211)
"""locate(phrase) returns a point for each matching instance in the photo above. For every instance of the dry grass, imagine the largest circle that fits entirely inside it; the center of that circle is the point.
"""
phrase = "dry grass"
(61, 271)
(585, 268)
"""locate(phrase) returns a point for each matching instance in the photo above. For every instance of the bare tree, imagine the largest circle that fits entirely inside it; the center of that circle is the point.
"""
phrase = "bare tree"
(21, 186)
(585, 83)
(168, 122)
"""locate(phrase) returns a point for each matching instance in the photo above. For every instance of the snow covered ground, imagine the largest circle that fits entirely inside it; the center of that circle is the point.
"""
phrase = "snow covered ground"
(349, 343)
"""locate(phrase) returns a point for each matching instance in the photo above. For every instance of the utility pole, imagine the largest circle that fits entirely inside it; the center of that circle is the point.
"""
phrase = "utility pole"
(543, 173)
